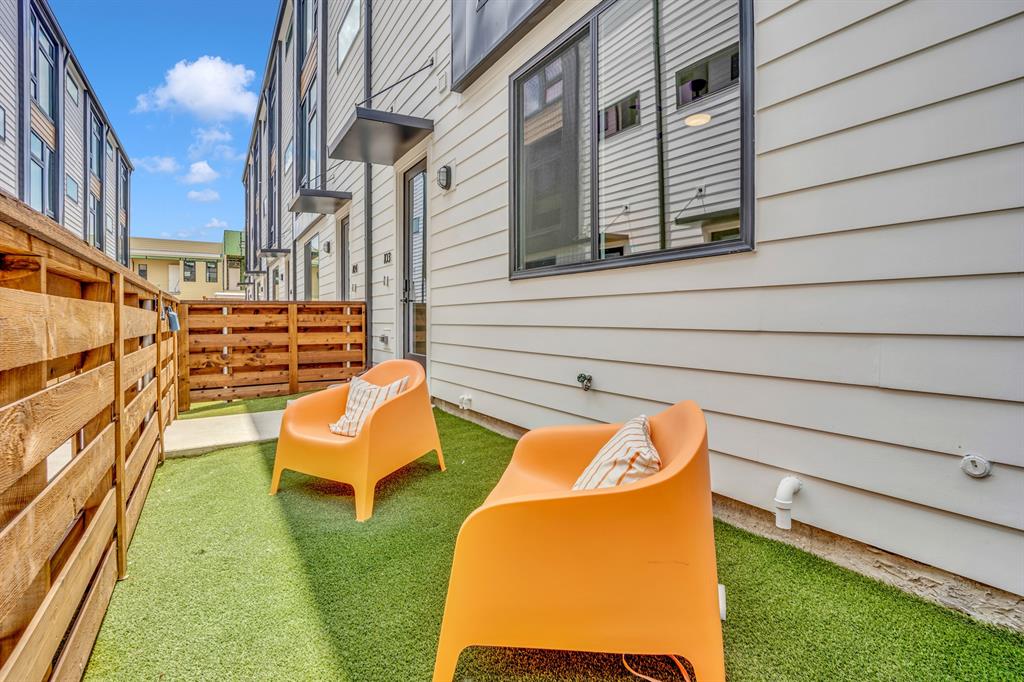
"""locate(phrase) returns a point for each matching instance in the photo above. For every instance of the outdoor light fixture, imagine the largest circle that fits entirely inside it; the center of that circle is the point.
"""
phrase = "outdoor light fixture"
(695, 120)
(444, 177)
(327, 247)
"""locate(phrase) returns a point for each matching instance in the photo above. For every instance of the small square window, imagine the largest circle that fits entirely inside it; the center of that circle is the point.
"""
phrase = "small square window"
(71, 188)
(72, 89)
(622, 115)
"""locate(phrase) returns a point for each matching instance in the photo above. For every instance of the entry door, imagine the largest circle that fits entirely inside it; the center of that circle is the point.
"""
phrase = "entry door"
(414, 289)
(173, 278)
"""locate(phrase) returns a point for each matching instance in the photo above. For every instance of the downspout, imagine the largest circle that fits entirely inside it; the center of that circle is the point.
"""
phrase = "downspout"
(368, 185)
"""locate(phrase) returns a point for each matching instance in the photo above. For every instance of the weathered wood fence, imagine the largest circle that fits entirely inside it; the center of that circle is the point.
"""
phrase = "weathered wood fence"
(250, 349)
(87, 386)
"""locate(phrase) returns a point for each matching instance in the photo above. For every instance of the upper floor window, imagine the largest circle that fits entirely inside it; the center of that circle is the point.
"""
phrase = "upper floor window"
(211, 271)
(587, 196)
(189, 270)
(43, 68)
(144, 270)
(42, 186)
(309, 141)
(307, 26)
(94, 233)
(123, 199)
(72, 89)
(271, 115)
(347, 31)
(96, 146)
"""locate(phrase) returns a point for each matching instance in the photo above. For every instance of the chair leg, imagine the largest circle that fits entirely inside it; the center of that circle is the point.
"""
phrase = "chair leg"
(447, 658)
(440, 455)
(364, 500)
(275, 480)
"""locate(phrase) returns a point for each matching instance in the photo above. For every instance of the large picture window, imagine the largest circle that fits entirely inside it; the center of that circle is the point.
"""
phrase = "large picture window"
(630, 139)
(309, 140)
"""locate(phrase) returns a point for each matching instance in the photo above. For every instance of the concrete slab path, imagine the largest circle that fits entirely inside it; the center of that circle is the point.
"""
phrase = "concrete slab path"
(187, 437)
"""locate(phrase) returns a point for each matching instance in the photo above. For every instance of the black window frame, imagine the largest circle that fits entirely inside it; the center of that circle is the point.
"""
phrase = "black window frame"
(631, 101)
(47, 162)
(209, 270)
(188, 265)
(309, 118)
(94, 229)
(36, 26)
(588, 25)
(680, 104)
(308, 26)
(96, 143)
(143, 270)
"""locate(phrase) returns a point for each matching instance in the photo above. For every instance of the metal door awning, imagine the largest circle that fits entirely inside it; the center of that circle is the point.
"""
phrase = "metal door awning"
(268, 252)
(321, 201)
(381, 137)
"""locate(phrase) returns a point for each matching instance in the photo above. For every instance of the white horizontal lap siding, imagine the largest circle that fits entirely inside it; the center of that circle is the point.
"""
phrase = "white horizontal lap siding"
(74, 159)
(874, 336)
(9, 95)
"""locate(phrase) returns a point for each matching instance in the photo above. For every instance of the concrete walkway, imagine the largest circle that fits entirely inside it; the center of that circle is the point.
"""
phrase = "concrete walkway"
(187, 437)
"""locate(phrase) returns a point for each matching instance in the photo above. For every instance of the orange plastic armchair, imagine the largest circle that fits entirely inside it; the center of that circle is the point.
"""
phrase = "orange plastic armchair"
(400, 430)
(629, 569)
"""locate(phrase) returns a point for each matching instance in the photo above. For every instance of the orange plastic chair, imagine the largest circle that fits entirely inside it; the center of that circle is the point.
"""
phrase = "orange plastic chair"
(619, 570)
(400, 430)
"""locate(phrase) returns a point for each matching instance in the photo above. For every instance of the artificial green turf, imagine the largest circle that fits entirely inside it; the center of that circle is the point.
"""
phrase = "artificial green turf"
(219, 408)
(226, 582)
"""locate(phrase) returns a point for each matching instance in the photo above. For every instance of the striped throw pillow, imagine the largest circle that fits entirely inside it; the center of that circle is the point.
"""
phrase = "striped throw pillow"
(628, 457)
(364, 398)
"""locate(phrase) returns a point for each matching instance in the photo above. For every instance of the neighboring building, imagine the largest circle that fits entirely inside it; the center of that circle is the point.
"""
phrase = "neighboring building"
(58, 152)
(842, 295)
(191, 269)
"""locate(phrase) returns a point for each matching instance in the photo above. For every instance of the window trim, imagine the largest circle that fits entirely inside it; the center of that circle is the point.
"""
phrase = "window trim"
(186, 263)
(216, 272)
(588, 22)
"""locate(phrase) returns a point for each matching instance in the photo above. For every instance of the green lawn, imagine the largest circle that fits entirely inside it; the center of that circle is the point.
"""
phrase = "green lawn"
(219, 408)
(226, 582)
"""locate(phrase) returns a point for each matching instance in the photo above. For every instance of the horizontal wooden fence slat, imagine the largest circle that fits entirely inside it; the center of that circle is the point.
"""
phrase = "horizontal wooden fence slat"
(28, 541)
(39, 327)
(70, 667)
(138, 498)
(35, 426)
(137, 321)
(259, 349)
(137, 364)
(37, 646)
(137, 460)
(136, 410)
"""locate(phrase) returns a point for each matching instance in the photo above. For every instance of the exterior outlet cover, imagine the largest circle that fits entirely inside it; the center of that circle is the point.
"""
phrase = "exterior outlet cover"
(975, 466)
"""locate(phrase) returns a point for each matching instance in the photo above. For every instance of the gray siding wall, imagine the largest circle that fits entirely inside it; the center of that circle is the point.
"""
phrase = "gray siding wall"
(74, 156)
(871, 340)
(110, 199)
(9, 95)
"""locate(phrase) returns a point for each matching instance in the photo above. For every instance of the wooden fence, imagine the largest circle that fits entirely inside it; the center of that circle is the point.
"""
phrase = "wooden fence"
(250, 349)
(87, 386)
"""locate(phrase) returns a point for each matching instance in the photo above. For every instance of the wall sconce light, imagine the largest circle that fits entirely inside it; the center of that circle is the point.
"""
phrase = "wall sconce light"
(327, 247)
(444, 177)
(695, 120)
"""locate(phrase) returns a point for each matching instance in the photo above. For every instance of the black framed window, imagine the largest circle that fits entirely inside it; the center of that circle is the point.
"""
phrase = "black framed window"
(272, 115)
(189, 268)
(309, 139)
(311, 261)
(94, 233)
(43, 68)
(96, 145)
(71, 188)
(308, 10)
(42, 171)
(144, 270)
(585, 196)
(211, 272)
(123, 199)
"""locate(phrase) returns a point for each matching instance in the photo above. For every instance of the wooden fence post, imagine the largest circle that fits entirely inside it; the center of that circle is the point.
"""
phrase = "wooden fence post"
(184, 398)
(293, 348)
(119, 464)
(160, 372)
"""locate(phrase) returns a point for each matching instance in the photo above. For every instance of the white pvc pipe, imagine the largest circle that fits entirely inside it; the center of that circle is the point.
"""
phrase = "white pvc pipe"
(788, 487)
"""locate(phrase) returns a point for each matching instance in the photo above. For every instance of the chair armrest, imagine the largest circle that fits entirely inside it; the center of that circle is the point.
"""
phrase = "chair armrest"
(565, 449)
(323, 400)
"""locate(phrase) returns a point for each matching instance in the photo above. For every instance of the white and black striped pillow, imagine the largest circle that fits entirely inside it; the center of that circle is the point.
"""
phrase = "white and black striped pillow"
(628, 457)
(364, 398)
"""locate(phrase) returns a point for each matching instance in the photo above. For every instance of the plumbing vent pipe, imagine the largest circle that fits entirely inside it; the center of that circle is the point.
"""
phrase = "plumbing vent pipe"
(788, 486)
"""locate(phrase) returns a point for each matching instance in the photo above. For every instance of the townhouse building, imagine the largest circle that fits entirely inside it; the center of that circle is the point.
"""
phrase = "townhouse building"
(58, 150)
(191, 269)
(806, 216)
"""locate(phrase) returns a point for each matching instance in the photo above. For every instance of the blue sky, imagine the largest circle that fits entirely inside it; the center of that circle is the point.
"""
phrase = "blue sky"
(179, 82)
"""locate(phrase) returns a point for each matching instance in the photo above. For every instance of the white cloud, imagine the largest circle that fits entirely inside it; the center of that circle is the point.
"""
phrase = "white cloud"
(209, 87)
(199, 173)
(157, 164)
(204, 196)
(217, 223)
(213, 142)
